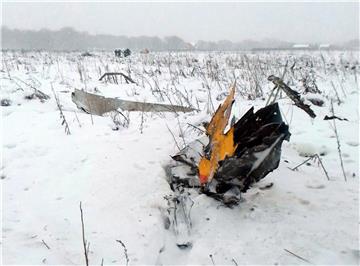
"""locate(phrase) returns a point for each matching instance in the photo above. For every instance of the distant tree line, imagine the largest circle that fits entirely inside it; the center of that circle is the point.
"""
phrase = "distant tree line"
(69, 39)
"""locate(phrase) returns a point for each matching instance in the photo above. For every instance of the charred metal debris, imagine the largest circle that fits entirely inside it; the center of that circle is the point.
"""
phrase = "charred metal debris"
(222, 164)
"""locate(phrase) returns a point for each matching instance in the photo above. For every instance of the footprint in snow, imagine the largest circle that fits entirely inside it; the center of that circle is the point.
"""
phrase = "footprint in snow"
(304, 202)
(315, 186)
(10, 145)
(352, 143)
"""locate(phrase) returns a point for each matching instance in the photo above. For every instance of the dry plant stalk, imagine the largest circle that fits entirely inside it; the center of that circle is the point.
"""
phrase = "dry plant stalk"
(62, 116)
(338, 142)
(125, 251)
(85, 244)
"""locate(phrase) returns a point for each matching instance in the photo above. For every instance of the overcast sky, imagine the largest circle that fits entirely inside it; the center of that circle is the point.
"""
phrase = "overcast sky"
(299, 22)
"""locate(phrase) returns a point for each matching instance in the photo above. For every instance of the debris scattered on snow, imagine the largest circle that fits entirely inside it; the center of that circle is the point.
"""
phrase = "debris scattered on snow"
(315, 100)
(334, 117)
(112, 77)
(246, 153)
(99, 105)
(179, 209)
(5, 102)
(293, 95)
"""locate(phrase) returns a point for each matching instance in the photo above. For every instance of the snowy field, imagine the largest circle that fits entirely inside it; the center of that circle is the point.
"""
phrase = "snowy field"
(117, 171)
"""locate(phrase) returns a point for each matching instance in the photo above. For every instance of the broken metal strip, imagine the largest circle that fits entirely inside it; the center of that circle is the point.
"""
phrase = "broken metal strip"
(99, 105)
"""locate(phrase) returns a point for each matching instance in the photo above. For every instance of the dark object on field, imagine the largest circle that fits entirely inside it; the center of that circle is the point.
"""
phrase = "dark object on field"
(38, 95)
(310, 85)
(112, 77)
(5, 102)
(293, 95)
(316, 101)
(268, 186)
(252, 150)
(99, 105)
(259, 137)
(85, 54)
(118, 53)
(335, 117)
(127, 52)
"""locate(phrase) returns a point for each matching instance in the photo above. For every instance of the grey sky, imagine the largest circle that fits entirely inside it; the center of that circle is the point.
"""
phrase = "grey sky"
(292, 21)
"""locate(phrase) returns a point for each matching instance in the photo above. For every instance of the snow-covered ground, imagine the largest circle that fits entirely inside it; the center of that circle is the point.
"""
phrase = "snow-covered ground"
(119, 176)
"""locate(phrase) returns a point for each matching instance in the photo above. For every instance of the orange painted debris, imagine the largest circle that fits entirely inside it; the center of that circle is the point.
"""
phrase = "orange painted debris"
(221, 144)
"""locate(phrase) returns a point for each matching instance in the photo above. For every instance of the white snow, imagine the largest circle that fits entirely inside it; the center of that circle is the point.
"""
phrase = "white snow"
(119, 177)
(301, 46)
